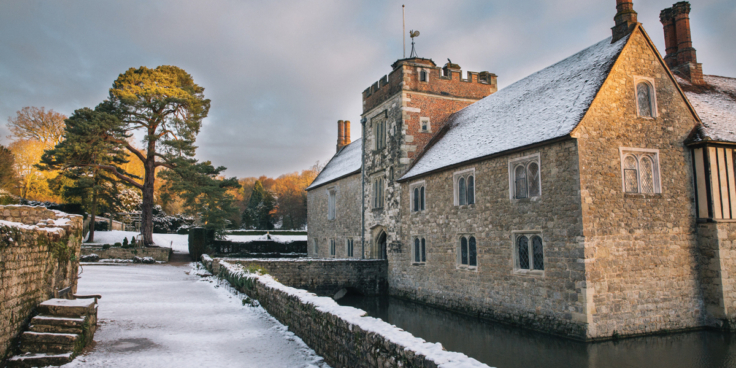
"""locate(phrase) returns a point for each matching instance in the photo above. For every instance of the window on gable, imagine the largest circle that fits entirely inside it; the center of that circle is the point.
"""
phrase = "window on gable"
(378, 193)
(468, 251)
(417, 197)
(464, 187)
(524, 178)
(646, 97)
(331, 199)
(640, 171)
(529, 256)
(420, 255)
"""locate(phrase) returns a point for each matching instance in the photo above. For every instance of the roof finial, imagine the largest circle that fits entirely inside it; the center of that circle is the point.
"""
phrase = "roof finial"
(413, 34)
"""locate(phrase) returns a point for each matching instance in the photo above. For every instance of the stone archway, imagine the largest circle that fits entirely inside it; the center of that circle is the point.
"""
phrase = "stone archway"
(379, 243)
(381, 246)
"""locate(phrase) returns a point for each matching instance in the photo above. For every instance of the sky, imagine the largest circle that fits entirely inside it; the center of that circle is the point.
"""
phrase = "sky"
(280, 74)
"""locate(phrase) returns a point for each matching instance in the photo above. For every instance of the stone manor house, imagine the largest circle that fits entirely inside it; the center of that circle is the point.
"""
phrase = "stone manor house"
(594, 198)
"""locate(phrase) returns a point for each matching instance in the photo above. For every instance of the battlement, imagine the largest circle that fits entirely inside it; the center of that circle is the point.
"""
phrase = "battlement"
(423, 75)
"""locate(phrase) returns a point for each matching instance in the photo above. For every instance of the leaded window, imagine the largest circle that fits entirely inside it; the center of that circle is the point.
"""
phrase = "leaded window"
(525, 181)
(529, 256)
(640, 171)
(417, 254)
(464, 251)
(464, 187)
(472, 252)
(421, 198)
(644, 99)
(349, 247)
(424, 251)
(380, 131)
(416, 199)
(378, 193)
(332, 247)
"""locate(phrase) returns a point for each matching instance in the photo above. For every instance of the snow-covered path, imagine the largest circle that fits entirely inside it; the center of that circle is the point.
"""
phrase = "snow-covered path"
(167, 316)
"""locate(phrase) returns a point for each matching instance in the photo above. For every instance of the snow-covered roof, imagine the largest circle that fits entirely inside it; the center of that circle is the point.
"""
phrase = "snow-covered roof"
(715, 103)
(345, 162)
(545, 105)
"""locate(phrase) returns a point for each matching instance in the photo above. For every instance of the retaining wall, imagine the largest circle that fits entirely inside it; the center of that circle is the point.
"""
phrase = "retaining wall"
(325, 276)
(341, 335)
(260, 246)
(39, 252)
(159, 254)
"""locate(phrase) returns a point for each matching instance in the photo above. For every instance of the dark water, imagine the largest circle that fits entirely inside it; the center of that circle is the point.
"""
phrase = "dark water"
(503, 346)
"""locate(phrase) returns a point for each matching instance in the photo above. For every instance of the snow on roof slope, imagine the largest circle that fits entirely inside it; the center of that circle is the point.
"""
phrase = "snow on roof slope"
(545, 105)
(345, 162)
(716, 106)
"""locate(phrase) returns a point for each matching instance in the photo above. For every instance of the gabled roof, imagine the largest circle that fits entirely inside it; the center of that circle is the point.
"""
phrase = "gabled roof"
(344, 163)
(546, 105)
(715, 103)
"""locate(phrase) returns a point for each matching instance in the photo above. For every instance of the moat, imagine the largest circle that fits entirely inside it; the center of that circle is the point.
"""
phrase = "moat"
(503, 346)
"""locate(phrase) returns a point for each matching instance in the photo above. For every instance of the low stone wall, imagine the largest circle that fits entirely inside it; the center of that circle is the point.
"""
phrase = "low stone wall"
(39, 252)
(341, 335)
(159, 254)
(269, 248)
(325, 276)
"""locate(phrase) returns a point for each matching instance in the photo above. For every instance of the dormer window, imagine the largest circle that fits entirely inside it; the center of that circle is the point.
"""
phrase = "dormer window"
(646, 101)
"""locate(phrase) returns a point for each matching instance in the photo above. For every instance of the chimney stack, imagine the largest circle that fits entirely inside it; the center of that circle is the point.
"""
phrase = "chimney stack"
(626, 19)
(346, 131)
(681, 56)
(340, 135)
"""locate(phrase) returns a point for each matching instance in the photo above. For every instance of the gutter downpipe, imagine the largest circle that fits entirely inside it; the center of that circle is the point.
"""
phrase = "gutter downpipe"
(362, 188)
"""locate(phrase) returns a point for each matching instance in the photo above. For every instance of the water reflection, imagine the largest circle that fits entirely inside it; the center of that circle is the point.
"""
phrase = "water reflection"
(503, 346)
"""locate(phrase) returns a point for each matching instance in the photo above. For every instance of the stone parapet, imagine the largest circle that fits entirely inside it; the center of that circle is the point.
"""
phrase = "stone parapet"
(341, 335)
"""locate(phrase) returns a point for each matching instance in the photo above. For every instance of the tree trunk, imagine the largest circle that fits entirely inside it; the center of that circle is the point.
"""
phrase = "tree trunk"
(147, 205)
(92, 216)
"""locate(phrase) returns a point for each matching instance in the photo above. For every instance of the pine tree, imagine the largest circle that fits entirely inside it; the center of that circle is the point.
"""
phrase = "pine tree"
(258, 214)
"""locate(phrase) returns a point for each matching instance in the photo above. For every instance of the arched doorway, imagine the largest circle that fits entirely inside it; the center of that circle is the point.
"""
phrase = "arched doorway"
(381, 246)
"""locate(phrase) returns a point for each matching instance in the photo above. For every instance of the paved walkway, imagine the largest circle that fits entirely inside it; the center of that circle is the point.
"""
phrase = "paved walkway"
(167, 316)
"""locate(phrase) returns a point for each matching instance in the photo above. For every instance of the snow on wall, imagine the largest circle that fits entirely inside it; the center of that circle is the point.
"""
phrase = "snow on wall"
(345, 162)
(344, 336)
(716, 107)
(545, 105)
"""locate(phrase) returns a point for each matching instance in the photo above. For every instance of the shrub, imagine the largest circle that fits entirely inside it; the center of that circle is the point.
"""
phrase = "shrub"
(118, 244)
(125, 242)
(106, 246)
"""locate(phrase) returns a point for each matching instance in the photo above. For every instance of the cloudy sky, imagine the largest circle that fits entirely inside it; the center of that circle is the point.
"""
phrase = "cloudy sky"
(281, 73)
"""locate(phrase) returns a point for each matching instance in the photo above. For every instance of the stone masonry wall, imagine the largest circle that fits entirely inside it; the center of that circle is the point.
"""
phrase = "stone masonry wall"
(346, 224)
(339, 334)
(717, 245)
(39, 252)
(325, 276)
(640, 250)
(547, 301)
(159, 254)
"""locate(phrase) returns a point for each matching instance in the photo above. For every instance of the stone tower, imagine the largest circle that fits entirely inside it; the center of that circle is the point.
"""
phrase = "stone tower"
(402, 112)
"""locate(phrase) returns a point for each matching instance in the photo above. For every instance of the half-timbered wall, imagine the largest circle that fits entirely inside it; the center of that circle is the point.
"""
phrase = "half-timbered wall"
(714, 182)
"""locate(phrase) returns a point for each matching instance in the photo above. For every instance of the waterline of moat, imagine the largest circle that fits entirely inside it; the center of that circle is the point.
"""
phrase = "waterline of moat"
(504, 346)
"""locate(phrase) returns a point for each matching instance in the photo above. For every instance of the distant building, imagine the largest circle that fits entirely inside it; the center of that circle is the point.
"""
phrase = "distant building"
(592, 199)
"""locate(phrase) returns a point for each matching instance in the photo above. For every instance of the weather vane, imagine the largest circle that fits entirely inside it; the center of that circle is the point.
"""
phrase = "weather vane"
(413, 34)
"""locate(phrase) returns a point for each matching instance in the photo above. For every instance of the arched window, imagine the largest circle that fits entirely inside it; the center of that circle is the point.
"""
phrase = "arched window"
(631, 175)
(416, 199)
(462, 192)
(417, 254)
(463, 250)
(522, 249)
(520, 182)
(421, 199)
(472, 252)
(538, 253)
(471, 190)
(533, 176)
(646, 172)
(644, 99)
(424, 251)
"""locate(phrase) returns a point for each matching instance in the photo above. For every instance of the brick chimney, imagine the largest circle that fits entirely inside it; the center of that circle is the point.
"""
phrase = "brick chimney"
(346, 133)
(626, 19)
(680, 54)
(340, 135)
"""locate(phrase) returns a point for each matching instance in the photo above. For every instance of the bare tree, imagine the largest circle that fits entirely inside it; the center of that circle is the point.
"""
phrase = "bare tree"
(37, 124)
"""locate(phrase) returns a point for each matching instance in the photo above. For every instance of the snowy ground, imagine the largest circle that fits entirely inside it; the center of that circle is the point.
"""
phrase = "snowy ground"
(167, 316)
(180, 243)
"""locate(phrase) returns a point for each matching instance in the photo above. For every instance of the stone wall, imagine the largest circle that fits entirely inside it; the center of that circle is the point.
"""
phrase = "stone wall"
(159, 254)
(550, 300)
(717, 245)
(39, 252)
(640, 251)
(260, 246)
(339, 334)
(346, 224)
(325, 276)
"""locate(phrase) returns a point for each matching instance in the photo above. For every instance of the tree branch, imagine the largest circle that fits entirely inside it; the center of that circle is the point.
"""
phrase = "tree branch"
(114, 171)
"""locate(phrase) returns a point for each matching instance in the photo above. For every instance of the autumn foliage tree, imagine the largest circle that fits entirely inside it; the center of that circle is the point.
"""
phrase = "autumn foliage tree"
(36, 124)
(8, 180)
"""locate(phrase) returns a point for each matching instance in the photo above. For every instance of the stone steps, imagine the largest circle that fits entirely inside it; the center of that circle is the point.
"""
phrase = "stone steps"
(59, 333)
